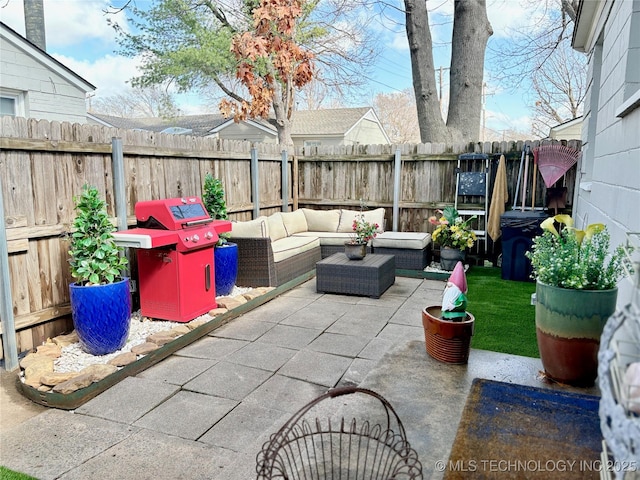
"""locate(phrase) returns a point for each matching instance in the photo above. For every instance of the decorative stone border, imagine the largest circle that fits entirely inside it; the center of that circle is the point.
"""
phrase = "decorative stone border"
(97, 378)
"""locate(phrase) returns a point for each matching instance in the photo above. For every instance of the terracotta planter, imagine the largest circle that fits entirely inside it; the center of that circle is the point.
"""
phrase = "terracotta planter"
(355, 251)
(568, 327)
(447, 341)
(449, 257)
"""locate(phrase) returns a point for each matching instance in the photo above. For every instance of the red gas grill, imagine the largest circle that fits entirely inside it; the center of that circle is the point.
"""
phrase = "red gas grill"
(176, 237)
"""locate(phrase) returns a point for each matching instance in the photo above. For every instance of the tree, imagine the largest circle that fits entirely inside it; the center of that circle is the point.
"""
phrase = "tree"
(560, 88)
(471, 30)
(541, 53)
(397, 114)
(137, 102)
(188, 43)
(271, 65)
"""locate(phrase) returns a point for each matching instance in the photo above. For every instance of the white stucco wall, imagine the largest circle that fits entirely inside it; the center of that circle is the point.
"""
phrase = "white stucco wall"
(609, 174)
(46, 94)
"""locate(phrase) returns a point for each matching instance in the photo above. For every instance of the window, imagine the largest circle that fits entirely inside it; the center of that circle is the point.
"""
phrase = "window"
(11, 103)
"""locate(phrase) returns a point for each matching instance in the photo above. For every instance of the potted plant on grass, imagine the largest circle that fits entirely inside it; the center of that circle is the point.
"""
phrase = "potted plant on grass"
(100, 296)
(454, 235)
(576, 291)
(356, 248)
(225, 253)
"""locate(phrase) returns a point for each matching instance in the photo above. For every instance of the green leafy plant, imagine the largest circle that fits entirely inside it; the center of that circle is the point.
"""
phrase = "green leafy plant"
(452, 231)
(576, 259)
(95, 257)
(214, 202)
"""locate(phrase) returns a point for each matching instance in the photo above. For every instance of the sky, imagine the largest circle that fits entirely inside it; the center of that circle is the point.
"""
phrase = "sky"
(77, 35)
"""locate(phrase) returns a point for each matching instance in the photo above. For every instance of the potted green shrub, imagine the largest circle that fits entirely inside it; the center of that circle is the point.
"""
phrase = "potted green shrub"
(225, 253)
(100, 295)
(576, 291)
(454, 235)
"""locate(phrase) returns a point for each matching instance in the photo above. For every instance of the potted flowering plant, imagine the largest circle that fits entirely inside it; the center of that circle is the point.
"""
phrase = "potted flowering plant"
(454, 235)
(364, 231)
(576, 275)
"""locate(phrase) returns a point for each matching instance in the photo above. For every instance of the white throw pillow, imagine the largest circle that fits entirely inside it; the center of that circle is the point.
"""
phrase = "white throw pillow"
(250, 229)
(322, 220)
(294, 222)
(371, 216)
(276, 226)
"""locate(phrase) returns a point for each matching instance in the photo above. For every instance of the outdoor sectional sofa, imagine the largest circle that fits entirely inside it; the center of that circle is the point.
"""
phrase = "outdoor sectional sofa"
(275, 249)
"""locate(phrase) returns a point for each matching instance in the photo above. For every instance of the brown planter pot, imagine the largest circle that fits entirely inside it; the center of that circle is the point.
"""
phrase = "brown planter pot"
(445, 340)
(568, 328)
(355, 251)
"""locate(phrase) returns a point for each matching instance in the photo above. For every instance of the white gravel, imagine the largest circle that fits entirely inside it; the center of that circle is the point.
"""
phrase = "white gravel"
(74, 359)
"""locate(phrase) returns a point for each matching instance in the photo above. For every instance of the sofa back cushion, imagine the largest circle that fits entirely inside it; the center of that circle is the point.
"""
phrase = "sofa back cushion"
(276, 226)
(294, 222)
(322, 220)
(251, 228)
(372, 216)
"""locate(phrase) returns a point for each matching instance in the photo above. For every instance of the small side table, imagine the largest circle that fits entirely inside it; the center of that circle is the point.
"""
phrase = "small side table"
(369, 277)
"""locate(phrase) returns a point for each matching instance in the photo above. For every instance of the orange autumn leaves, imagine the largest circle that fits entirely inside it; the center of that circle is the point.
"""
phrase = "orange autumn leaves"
(270, 60)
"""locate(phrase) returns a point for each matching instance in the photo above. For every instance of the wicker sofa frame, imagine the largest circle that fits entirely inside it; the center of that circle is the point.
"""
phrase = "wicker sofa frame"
(256, 267)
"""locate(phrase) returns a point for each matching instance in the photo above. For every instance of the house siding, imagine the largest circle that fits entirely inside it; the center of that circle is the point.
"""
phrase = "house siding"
(245, 132)
(611, 150)
(47, 95)
(366, 132)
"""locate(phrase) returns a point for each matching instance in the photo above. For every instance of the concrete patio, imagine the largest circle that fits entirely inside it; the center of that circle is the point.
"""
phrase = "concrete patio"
(205, 411)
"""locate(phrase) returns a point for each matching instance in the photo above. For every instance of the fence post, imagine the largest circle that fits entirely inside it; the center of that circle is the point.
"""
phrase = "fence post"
(396, 189)
(119, 191)
(9, 345)
(255, 185)
(120, 197)
(284, 180)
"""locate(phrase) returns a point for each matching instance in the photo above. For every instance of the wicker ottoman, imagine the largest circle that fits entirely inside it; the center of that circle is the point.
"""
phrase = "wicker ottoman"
(411, 249)
(369, 277)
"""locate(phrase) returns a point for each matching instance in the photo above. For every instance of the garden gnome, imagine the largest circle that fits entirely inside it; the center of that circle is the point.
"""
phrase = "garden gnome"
(454, 300)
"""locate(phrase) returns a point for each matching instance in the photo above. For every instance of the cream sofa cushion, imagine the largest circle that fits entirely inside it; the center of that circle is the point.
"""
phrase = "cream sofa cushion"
(407, 240)
(276, 226)
(371, 216)
(294, 222)
(251, 228)
(290, 246)
(322, 220)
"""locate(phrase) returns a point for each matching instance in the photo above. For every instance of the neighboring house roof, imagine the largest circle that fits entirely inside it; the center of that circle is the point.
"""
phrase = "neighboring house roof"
(329, 122)
(336, 122)
(575, 124)
(198, 125)
(11, 36)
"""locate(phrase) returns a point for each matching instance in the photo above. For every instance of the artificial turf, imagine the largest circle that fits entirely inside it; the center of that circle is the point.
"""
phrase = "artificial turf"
(504, 316)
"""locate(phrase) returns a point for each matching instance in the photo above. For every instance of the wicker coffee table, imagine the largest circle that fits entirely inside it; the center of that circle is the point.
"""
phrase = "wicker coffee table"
(369, 277)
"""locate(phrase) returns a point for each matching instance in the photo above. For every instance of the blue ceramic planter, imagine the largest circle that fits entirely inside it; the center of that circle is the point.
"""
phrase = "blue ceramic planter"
(226, 268)
(101, 315)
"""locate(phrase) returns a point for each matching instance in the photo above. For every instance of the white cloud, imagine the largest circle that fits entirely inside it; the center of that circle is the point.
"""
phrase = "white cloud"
(67, 22)
(109, 73)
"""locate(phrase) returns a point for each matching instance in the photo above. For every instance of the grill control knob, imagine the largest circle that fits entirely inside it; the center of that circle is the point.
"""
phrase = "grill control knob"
(208, 235)
(195, 238)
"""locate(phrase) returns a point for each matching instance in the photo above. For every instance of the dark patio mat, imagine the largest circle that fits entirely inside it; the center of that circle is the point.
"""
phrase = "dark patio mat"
(516, 431)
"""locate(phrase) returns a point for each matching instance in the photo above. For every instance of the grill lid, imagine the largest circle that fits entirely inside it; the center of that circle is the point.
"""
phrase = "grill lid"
(172, 213)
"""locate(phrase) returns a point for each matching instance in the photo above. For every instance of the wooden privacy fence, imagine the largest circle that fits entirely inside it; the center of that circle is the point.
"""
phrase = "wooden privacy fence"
(43, 165)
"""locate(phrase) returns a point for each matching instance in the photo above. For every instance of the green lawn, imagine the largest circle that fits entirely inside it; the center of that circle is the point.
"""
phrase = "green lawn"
(505, 318)
(6, 474)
